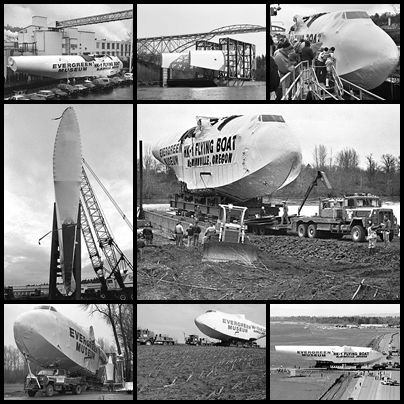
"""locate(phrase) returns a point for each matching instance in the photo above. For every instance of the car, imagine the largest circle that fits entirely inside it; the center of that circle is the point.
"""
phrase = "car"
(19, 97)
(117, 81)
(35, 97)
(103, 83)
(46, 94)
(81, 88)
(128, 76)
(59, 93)
(67, 88)
(89, 85)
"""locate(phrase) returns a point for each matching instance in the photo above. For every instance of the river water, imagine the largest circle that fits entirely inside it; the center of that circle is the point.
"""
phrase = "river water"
(307, 210)
(254, 91)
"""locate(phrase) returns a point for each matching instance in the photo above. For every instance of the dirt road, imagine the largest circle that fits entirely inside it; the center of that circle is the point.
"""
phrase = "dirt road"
(288, 268)
(15, 392)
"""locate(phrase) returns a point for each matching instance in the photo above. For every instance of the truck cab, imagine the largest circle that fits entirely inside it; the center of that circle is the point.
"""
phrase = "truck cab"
(145, 337)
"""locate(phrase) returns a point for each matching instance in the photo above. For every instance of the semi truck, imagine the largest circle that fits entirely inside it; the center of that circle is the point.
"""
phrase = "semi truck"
(147, 337)
(338, 216)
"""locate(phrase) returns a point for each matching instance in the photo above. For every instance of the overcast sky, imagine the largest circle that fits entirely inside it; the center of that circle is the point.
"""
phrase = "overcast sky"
(288, 11)
(367, 128)
(72, 311)
(176, 319)
(29, 137)
(332, 309)
(171, 19)
(20, 15)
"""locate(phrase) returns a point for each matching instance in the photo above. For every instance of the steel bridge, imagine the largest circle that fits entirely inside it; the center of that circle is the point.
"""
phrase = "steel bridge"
(96, 19)
(178, 43)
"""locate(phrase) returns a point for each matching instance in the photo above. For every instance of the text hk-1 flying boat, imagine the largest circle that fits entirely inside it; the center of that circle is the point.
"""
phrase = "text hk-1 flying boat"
(241, 156)
(229, 327)
(365, 54)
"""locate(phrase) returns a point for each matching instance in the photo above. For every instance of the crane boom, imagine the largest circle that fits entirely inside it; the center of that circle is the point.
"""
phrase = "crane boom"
(117, 261)
(95, 257)
(109, 196)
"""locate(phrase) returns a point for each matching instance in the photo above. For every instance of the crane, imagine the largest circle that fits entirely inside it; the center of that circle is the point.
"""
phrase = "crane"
(119, 264)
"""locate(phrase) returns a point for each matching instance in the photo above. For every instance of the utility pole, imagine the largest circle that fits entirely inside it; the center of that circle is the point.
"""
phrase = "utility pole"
(141, 213)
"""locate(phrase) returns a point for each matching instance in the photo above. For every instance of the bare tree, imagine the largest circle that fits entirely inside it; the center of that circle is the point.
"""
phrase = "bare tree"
(372, 167)
(316, 158)
(347, 159)
(389, 163)
(322, 155)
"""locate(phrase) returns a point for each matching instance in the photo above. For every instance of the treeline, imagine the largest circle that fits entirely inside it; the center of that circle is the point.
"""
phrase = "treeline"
(381, 177)
(394, 29)
(390, 320)
(261, 70)
(15, 366)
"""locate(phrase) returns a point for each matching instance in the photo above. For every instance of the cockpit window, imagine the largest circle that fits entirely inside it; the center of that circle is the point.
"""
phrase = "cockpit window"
(271, 118)
(45, 308)
(188, 134)
(226, 121)
(211, 311)
(350, 15)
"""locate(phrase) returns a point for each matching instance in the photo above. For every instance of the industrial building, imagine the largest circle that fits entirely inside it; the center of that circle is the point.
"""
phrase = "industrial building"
(38, 39)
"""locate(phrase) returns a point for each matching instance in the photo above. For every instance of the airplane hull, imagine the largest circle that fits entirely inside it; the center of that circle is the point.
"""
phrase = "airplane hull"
(338, 355)
(67, 180)
(66, 66)
(226, 327)
(243, 157)
(49, 339)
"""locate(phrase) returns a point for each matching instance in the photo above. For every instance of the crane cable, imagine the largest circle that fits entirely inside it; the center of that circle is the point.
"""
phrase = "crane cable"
(109, 196)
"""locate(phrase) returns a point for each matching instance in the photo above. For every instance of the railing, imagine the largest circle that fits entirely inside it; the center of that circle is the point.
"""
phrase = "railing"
(297, 87)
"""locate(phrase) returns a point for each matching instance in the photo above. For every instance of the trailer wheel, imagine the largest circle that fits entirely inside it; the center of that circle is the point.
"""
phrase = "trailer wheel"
(77, 390)
(312, 231)
(358, 234)
(31, 393)
(103, 296)
(122, 296)
(49, 390)
(302, 230)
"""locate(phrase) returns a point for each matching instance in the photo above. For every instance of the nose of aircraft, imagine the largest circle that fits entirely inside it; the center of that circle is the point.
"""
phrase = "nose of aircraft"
(369, 56)
(276, 144)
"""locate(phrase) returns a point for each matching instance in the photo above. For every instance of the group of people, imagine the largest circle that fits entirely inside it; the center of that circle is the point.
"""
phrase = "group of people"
(191, 234)
(288, 55)
(386, 228)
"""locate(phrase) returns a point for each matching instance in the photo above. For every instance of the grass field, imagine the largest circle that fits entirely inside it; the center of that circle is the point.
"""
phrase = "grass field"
(200, 373)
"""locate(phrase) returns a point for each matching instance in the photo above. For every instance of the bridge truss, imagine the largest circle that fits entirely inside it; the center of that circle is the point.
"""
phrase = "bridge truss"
(178, 43)
(96, 19)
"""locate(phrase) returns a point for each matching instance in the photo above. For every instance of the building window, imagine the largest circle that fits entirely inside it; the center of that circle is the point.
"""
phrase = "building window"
(97, 45)
(108, 45)
(113, 46)
(103, 45)
(122, 47)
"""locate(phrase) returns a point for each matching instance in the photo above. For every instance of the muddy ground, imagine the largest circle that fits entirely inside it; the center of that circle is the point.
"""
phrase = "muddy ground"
(16, 392)
(185, 372)
(289, 267)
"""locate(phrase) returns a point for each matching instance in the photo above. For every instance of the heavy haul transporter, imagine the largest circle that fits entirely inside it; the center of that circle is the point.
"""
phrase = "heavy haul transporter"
(338, 216)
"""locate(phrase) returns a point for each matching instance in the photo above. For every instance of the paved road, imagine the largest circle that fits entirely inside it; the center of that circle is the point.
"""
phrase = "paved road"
(373, 389)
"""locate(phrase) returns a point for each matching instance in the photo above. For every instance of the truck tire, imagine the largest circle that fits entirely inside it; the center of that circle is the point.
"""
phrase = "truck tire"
(358, 234)
(77, 390)
(302, 230)
(122, 296)
(49, 390)
(312, 231)
(31, 393)
(103, 296)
